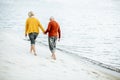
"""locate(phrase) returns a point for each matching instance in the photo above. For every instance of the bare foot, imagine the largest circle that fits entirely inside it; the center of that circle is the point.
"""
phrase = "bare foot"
(53, 57)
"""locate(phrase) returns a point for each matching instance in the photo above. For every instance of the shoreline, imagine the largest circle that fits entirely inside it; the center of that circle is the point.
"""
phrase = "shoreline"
(89, 60)
(18, 64)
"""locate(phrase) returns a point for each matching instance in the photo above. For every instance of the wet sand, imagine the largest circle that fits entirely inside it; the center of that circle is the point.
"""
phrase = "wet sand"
(16, 63)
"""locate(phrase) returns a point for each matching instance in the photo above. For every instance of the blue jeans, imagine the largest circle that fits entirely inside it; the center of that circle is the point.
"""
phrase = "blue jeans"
(52, 43)
(32, 37)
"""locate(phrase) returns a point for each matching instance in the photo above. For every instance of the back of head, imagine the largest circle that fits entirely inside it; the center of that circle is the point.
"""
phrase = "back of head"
(51, 18)
(30, 14)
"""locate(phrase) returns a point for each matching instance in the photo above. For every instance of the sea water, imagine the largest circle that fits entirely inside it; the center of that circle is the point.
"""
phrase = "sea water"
(90, 28)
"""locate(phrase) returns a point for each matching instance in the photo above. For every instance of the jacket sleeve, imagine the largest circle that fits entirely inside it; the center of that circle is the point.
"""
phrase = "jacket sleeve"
(26, 26)
(48, 29)
(59, 32)
(41, 27)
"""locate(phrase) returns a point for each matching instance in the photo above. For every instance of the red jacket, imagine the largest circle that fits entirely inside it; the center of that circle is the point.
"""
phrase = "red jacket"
(53, 29)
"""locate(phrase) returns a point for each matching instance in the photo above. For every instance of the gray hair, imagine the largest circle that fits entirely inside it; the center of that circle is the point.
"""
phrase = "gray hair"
(51, 18)
(30, 14)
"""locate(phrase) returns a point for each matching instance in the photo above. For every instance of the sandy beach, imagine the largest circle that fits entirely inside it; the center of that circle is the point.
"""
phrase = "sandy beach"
(16, 63)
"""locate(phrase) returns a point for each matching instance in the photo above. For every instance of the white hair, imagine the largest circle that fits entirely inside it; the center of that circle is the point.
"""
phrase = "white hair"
(30, 14)
(52, 18)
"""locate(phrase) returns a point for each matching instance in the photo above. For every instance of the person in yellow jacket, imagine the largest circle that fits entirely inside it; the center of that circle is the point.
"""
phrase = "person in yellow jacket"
(32, 30)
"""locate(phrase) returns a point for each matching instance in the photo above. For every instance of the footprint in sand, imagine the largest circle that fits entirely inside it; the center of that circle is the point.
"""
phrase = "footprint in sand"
(62, 61)
(64, 71)
(75, 70)
(43, 65)
(9, 62)
(95, 73)
(47, 58)
(82, 69)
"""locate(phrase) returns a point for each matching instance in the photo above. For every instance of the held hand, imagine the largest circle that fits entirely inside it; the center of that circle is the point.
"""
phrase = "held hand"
(45, 33)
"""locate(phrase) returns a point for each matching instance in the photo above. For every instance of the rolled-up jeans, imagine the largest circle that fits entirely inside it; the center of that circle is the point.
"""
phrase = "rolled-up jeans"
(52, 43)
(32, 37)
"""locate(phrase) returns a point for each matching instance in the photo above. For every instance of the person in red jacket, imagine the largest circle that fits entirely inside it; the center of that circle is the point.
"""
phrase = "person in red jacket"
(54, 32)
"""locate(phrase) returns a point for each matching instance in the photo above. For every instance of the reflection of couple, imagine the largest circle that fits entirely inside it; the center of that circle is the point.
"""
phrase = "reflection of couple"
(32, 30)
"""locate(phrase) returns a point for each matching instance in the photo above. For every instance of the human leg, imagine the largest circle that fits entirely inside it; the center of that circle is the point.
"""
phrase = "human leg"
(52, 46)
(32, 37)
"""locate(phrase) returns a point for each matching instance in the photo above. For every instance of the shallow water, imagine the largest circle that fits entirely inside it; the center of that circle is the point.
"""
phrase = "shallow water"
(90, 28)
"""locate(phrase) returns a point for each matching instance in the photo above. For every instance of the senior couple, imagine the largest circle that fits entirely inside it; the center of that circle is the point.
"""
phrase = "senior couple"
(32, 30)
